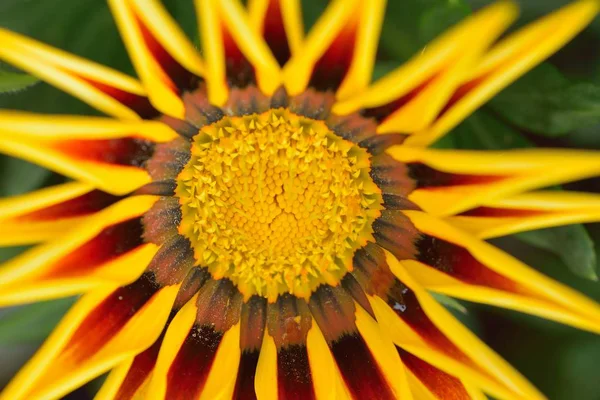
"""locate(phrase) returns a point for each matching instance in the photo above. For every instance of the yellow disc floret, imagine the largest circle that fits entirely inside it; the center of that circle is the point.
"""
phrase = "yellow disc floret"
(276, 202)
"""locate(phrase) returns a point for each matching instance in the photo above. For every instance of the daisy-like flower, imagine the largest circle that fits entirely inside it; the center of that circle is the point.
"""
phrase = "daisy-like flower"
(263, 222)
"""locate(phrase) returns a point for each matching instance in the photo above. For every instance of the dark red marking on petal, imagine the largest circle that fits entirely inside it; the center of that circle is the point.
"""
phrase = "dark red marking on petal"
(179, 75)
(158, 188)
(461, 92)
(382, 112)
(139, 371)
(496, 212)
(191, 284)
(395, 232)
(169, 159)
(190, 369)
(294, 377)
(183, 128)
(457, 262)
(395, 202)
(331, 69)
(280, 98)
(354, 289)
(313, 104)
(359, 370)
(140, 104)
(219, 305)
(334, 311)
(85, 204)
(405, 304)
(198, 109)
(108, 318)
(172, 262)
(240, 72)
(427, 177)
(288, 321)
(162, 220)
(253, 321)
(377, 144)
(111, 243)
(371, 270)
(391, 176)
(274, 32)
(246, 101)
(441, 384)
(123, 151)
(352, 127)
(244, 386)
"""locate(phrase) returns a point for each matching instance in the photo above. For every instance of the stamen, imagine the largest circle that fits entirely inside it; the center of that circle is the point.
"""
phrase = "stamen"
(276, 202)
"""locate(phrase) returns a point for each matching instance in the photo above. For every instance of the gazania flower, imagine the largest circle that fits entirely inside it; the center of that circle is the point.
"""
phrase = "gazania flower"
(263, 222)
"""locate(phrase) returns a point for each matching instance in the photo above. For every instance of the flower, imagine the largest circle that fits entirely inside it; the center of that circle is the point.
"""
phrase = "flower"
(264, 222)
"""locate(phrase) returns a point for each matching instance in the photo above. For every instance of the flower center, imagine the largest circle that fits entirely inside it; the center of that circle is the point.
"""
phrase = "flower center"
(276, 202)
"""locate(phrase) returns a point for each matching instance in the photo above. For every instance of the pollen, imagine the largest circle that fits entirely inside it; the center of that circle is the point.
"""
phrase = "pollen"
(276, 202)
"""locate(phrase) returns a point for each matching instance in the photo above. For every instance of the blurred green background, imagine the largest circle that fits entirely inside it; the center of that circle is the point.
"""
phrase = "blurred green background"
(557, 104)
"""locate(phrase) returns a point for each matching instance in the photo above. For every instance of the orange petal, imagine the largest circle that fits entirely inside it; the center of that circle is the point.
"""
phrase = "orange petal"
(105, 328)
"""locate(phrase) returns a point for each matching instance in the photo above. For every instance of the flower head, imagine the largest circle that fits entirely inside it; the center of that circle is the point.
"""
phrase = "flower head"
(262, 221)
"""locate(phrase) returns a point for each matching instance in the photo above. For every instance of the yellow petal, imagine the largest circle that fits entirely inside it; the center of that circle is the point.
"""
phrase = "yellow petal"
(92, 338)
(327, 382)
(509, 284)
(471, 178)
(420, 89)
(144, 26)
(465, 340)
(284, 30)
(107, 90)
(227, 18)
(94, 150)
(528, 211)
(365, 50)
(265, 382)
(44, 214)
(508, 60)
(83, 258)
(297, 72)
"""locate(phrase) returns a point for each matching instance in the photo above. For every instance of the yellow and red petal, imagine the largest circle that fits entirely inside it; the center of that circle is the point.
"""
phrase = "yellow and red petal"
(41, 215)
(107, 90)
(416, 323)
(106, 153)
(409, 99)
(528, 211)
(204, 334)
(107, 249)
(105, 328)
(234, 51)
(506, 62)
(280, 24)
(451, 181)
(457, 264)
(339, 52)
(163, 57)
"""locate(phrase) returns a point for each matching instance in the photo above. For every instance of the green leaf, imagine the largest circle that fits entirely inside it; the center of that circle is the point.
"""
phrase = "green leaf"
(410, 24)
(19, 176)
(14, 82)
(572, 243)
(546, 103)
(32, 323)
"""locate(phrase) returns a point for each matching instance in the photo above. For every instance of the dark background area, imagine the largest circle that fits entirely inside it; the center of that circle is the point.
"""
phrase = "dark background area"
(556, 105)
